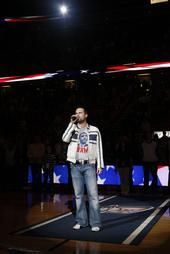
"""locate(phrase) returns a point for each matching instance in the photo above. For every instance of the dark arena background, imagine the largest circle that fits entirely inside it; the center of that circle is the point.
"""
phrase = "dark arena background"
(113, 58)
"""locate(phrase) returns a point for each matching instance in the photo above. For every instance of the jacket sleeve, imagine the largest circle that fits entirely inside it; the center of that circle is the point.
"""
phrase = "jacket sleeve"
(68, 132)
(100, 162)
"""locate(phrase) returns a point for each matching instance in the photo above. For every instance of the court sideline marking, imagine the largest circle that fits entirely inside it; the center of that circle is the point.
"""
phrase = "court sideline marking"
(138, 230)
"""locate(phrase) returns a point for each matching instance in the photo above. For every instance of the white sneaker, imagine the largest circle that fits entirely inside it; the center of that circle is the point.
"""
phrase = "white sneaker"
(95, 229)
(77, 226)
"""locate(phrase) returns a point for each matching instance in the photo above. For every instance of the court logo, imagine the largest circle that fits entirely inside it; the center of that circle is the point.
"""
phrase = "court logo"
(112, 209)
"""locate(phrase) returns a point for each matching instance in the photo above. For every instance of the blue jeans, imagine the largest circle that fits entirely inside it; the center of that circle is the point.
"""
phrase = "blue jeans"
(86, 175)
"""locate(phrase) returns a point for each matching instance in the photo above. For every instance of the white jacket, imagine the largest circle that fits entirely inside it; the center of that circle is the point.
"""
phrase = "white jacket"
(95, 144)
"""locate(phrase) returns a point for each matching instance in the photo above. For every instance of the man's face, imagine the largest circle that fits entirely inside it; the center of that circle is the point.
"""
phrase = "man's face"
(81, 115)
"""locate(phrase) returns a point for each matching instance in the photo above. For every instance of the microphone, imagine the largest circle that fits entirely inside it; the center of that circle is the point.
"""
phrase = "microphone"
(73, 118)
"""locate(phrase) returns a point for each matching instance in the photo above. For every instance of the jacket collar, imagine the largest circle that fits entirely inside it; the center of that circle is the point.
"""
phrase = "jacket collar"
(88, 126)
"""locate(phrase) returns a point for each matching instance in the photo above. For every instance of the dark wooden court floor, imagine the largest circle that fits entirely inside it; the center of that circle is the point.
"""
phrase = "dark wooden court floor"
(23, 208)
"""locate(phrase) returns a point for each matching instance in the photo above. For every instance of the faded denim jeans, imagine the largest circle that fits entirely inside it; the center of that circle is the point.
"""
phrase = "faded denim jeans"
(86, 175)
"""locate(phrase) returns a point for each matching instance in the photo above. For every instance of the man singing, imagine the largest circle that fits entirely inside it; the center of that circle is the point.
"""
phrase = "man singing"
(84, 154)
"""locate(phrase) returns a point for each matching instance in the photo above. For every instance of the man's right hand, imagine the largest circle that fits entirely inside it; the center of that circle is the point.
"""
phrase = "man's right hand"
(74, 118)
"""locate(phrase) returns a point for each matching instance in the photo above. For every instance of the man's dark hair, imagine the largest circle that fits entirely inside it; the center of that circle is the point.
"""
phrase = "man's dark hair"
(83, 107)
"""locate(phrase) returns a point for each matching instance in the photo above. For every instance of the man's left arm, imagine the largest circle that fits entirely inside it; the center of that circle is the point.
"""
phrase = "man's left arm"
(100, 162)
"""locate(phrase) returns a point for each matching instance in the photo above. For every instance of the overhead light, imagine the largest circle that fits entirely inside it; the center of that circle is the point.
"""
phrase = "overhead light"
(63, 9)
